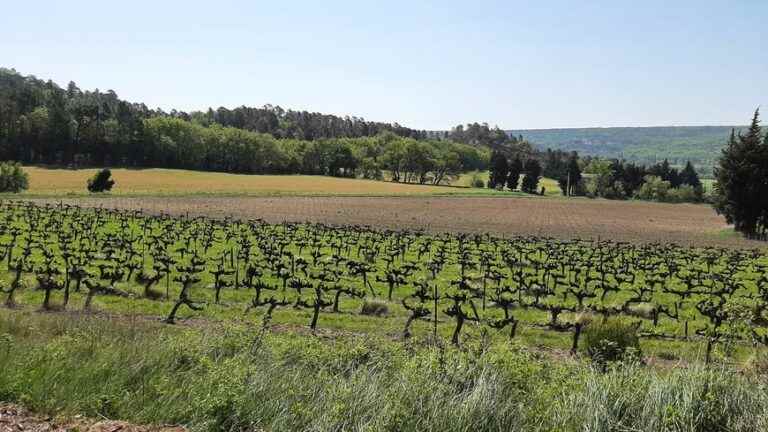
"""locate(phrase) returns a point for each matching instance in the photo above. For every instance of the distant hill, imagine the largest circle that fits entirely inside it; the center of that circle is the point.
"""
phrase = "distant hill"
(700, 144)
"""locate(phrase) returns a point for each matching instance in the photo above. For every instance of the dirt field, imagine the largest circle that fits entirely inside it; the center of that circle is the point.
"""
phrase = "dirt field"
(43, 181)
(685, 224)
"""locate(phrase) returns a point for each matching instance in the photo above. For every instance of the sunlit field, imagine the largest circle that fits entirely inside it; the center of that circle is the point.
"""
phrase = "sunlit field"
(43, 181)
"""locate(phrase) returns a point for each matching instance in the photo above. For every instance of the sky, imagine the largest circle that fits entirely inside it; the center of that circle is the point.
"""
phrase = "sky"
(426, 65)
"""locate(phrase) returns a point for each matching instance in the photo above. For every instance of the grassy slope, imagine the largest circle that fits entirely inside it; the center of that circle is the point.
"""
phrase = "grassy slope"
(237, 378)
(45, 181)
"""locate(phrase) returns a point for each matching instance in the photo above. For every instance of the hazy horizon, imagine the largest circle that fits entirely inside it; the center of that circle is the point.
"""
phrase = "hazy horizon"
(430, 67)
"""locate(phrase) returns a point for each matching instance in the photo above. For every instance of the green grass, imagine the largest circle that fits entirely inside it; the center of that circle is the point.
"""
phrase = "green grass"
(234, 377)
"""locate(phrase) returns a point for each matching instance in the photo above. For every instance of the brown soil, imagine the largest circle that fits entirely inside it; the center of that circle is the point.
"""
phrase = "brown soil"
(14, 419)
(634, 221)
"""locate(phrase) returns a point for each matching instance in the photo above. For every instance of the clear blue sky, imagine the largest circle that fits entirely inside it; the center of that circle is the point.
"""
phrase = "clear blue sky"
(427, 65)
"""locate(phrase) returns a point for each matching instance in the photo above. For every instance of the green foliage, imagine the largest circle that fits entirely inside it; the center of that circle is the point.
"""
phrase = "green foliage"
(12, 177)
(43, 123)
(515, 170)
(101, 181)
(741, 192)
(375, 307)
(210, 378)
(654, 189)
(499, 170)
(531, 176)
(611, 340)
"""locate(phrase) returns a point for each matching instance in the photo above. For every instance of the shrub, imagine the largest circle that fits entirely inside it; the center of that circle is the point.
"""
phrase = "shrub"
(476, 181)
(101, 181)
(685, 193)
(654, 189)
(12, 177)
(375, 308)
(611, 340)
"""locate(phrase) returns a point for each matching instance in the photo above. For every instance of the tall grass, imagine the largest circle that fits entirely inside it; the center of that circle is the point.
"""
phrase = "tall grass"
(222, 378)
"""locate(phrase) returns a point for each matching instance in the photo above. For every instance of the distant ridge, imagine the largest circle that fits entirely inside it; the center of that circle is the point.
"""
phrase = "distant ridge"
(700, 144)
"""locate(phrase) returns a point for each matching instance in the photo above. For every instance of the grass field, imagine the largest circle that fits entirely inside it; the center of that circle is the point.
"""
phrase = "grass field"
(44, 181)
(233, 378)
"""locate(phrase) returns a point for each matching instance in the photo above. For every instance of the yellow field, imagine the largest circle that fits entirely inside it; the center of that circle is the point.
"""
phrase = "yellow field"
(44, 181)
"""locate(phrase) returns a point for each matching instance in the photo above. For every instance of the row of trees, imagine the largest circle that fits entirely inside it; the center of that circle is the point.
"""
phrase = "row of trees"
(595, 177)
(41, 123)
(615, 179)
(506, 173)
(741, 188)
(177, 143)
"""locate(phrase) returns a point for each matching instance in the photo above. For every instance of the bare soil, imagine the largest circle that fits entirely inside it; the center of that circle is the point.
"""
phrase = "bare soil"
(632, 221)
(14, 418)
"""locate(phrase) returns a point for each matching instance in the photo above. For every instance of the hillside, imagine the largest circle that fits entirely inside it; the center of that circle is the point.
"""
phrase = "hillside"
(700, 144)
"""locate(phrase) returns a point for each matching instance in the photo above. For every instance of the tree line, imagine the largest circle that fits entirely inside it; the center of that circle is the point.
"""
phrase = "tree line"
(41, 123)
(595, 177)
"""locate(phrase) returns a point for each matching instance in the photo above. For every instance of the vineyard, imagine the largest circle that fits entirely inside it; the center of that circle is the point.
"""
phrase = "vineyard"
(67, 257)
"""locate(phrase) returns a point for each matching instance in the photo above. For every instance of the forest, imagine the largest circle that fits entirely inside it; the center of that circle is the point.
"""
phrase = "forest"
(42, 123)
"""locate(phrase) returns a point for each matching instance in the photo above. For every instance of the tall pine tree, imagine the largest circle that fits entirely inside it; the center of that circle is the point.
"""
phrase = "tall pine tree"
(499, 170)
(515, 169)
(741, 191)
(571, 177)
(532, 176)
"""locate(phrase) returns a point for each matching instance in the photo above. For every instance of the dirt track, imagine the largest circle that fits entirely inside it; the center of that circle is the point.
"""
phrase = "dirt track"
(636, 221)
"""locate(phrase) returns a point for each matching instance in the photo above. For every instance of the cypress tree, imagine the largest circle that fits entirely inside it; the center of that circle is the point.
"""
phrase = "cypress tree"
(689, 176)
(532, 176)
(741, 191)
(571, 177)
(515, 169)
(499, 170)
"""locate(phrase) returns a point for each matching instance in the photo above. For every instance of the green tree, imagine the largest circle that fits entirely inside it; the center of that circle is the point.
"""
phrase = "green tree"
(570, 179)
(499, 170)
(741, 190)
(654, 189)
(12, 177)
(101, 181)
(532, 175)
(515, 169)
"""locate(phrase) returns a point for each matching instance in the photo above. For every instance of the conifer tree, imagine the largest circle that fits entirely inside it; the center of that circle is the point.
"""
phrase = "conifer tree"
(515, 169)
(571, 177)
(499, 170)
(741, 191)
(689, 176)
(532, 176)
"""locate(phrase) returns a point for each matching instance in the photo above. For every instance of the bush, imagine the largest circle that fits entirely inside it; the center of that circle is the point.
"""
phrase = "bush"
(654, 189)
(476, 180)
(611, 340)
(12, 177)
(375, 308)
(685, 193)
(101, 181)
